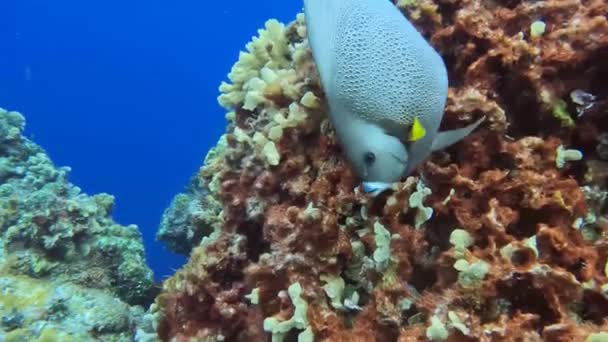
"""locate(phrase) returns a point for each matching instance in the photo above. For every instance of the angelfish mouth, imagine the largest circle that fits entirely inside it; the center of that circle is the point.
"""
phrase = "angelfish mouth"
(404, 162)
(375, 188)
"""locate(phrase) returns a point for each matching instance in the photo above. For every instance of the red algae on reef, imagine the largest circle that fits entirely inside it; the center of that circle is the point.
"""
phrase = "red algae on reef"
(502, 237)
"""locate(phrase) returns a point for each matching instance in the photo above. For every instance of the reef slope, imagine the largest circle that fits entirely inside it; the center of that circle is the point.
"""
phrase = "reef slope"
(502, 237)
(68, 272)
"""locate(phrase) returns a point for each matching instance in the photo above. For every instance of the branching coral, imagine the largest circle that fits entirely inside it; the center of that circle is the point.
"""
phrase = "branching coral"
(499, 243)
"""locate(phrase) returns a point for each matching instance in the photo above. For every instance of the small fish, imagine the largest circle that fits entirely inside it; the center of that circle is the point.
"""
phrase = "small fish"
(583, 100)
(386, 87)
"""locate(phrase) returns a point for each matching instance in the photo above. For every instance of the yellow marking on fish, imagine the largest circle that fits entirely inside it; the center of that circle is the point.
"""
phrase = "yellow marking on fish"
(417, 131)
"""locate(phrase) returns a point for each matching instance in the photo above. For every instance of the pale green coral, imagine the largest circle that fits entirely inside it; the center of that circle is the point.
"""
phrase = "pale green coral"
(271, 154)
(471, 275)
(405, 304)
(437, 330)
(416, 200)
(309, 100)
(266, 148)
(295, 116)
(334, 289)
(563, 155)
(418, 8)
(537, 28)
(263, 74)
(585, 222)
(448, 198)
(268, 50)
(301, 27)
(254, 93)
(263, 69)
(382, 238)
(264, 139)
(254, 296)
(275, 133)
(407, 3)
(560, 112)
(241, 136)
(589, 226)
(306, 336)
(508, 250)
(457, 324)
(357, 262)
(597, 337)
(461, 240)
(299, 319)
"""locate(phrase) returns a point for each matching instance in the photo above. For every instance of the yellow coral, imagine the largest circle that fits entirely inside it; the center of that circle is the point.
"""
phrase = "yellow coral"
(269, 51)
(309, 100)
(275, 133)
(271, 153)
(32, 294)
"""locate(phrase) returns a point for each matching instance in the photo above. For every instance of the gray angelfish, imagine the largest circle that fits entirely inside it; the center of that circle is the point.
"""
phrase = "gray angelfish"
(386, 87)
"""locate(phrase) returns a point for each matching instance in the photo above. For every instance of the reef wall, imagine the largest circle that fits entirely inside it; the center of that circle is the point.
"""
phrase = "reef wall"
(68, 272)
(501, 237)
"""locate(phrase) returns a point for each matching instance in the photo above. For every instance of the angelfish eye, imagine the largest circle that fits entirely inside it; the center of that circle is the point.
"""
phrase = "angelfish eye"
(370, 158)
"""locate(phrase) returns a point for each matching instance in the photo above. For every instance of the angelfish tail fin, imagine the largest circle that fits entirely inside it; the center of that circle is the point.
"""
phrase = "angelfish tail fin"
(447, 138)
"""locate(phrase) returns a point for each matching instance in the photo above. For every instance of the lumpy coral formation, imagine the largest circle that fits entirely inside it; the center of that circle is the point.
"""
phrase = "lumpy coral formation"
(68, 272)
(191, 216)
(502, 237)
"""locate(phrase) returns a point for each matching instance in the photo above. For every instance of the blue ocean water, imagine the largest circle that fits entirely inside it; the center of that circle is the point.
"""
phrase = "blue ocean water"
(125, 91)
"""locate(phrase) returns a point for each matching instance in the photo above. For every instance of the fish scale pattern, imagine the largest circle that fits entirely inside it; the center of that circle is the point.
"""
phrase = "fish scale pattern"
(369, 46)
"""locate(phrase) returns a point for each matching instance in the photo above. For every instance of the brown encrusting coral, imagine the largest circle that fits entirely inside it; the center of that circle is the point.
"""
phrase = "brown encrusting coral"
(502, 237)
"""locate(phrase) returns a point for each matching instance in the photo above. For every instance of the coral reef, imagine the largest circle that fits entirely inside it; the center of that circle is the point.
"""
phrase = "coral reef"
(66, 268)
(191, 216)
(502, 237)
(40, 310)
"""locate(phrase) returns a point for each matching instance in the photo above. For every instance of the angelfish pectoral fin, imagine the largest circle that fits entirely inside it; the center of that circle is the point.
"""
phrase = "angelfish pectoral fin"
(447, 138)
(417, 131)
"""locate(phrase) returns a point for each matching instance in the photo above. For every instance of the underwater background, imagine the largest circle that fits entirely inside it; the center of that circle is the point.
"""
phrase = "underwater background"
(125, 92)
